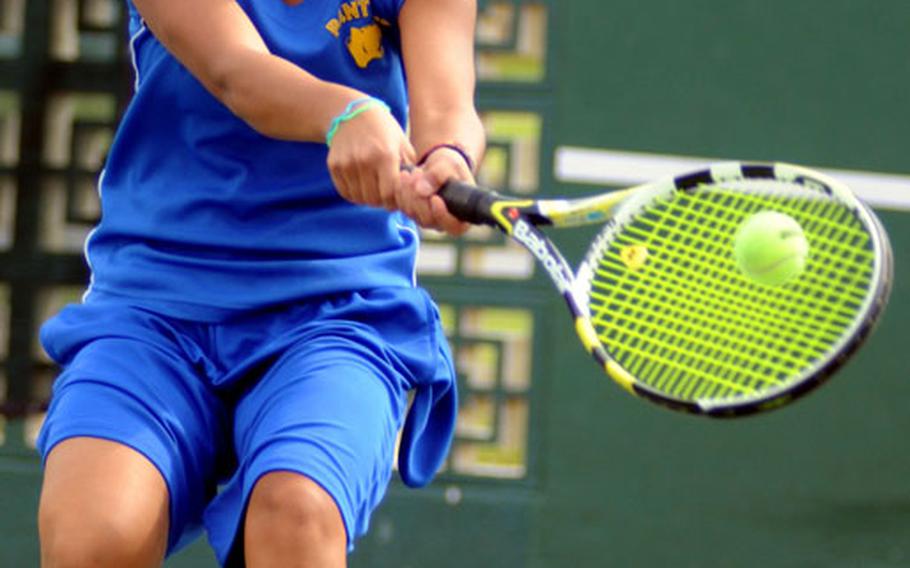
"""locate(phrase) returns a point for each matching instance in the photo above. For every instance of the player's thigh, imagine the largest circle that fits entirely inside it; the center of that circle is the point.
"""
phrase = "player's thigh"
(325, 412)
(132, 377)
(101, 499)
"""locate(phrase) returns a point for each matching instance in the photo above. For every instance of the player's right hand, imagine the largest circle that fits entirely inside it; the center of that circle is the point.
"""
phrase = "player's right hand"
(418, 197)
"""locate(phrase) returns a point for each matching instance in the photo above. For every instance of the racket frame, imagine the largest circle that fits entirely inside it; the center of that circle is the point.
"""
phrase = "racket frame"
(521, 220)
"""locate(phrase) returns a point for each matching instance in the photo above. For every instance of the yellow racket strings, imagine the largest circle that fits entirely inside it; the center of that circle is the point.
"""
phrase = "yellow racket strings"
(671, 307)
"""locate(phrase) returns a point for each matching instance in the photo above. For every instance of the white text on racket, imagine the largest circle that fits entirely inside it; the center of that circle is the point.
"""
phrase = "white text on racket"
(554, 265)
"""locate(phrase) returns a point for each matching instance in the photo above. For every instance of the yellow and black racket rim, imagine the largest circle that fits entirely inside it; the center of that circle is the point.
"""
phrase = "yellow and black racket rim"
(671, 308)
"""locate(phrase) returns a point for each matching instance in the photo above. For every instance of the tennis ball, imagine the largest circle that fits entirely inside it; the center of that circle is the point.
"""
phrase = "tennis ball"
(770, 248)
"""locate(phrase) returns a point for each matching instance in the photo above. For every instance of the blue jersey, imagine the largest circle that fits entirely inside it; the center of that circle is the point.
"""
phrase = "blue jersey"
(202, 216)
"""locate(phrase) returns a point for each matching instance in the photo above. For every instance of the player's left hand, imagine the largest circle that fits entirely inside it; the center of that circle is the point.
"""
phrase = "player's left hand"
(417, 197)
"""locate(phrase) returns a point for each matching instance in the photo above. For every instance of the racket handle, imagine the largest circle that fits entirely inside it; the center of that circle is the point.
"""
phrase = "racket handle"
(468, 203)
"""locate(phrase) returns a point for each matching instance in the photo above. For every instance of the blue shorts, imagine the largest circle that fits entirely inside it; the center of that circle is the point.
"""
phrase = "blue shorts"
(319, 389)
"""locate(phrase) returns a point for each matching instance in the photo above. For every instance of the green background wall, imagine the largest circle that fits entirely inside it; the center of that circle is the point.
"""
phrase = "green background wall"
(827, 481)
(613, 481)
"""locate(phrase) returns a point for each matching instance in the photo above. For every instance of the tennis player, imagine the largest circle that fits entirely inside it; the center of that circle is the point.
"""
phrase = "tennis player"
(242, 358)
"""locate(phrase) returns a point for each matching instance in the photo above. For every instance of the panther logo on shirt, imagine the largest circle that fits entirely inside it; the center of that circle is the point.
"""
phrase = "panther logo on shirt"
(364, 42)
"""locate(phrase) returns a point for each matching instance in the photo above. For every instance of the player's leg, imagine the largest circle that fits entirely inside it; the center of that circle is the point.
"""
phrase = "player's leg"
(132, 441)
(315, 439)
(102, 504)
(320, 425)
(320, 450)
(292, 521)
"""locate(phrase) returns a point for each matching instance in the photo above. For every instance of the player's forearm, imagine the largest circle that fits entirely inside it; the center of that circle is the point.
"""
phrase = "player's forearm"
(460, 126)
(438, 49)
(219, 45)
(278, 99)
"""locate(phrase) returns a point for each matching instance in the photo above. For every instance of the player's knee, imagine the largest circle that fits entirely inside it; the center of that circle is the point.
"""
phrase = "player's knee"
(298, 503)
(72, 539)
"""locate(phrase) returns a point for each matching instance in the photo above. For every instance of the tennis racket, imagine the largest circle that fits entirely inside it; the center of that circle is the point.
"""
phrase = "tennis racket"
(660, 304)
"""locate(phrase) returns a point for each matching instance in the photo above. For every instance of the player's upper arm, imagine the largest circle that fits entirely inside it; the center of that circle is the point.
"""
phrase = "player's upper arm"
(210, 37)
(218, 43)
(438, 48)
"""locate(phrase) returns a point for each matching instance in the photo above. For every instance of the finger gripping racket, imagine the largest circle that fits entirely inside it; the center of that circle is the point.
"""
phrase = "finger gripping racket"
(661, 305)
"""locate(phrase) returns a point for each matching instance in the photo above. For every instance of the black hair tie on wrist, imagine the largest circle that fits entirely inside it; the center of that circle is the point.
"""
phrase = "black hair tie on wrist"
(451, 146)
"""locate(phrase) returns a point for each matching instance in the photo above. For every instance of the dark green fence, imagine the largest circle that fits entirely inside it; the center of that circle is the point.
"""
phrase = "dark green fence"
(62, 81)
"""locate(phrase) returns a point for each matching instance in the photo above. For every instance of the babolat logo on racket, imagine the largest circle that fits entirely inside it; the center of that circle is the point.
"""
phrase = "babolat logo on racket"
(538, 246)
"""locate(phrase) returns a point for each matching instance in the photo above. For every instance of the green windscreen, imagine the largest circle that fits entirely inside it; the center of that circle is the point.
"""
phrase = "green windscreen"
(671, 306)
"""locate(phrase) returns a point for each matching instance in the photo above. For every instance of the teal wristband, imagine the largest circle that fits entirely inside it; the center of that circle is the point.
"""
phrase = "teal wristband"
(353, 109)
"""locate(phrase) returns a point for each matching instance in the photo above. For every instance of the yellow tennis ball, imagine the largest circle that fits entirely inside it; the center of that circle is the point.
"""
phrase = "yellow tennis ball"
(770, 248)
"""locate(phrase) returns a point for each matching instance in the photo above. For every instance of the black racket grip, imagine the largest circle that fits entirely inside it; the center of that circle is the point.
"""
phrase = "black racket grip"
(468, 203)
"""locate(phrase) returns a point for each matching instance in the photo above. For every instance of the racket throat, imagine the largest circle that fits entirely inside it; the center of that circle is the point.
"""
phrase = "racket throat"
(541, 248)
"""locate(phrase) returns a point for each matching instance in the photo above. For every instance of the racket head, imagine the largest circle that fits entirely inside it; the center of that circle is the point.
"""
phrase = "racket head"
(679, 324)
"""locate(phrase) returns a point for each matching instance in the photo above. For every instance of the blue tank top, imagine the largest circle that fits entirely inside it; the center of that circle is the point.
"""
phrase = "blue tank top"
(203, 216)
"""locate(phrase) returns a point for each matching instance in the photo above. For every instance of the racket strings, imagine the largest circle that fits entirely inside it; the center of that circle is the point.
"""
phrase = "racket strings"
(697, 309)
(715, 357)
(700, 302)
(829, 220)
(689, 324)
(665, 365)
(715, 365)
(691, 316)
(705, 258)
(719, 295)
(716, 234)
